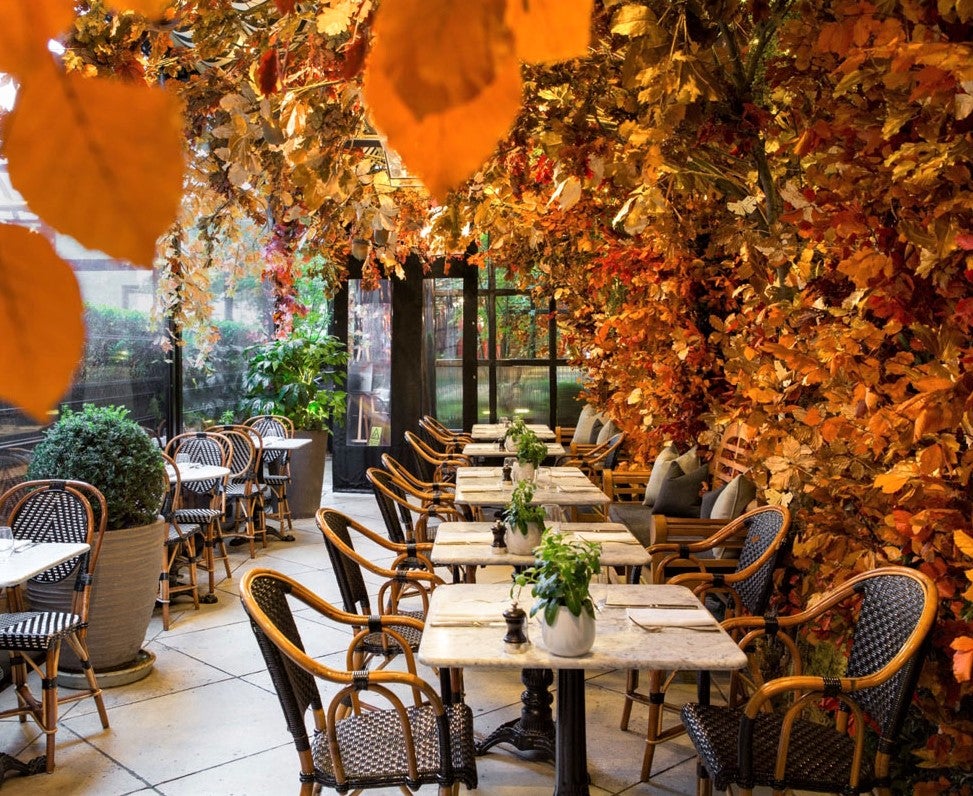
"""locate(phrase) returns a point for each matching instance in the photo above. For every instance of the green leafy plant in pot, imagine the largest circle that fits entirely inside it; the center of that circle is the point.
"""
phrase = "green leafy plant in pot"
(300, 377)
(106, 448)
(560, 582)
(513, 433)
(525, 521)
(530, 453)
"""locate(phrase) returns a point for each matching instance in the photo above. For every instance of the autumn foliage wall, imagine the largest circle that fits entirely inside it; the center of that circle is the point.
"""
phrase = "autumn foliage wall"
(765, 213)
(756, 210)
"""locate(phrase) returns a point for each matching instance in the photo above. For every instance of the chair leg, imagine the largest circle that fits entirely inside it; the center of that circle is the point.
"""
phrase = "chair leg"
(80, 648)
(49, 702)
(631, 686)
(654, 729)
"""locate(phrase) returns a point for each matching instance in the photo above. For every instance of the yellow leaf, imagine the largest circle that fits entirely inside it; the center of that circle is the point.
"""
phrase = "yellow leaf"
(25, 29)
(550, 30)
(41, 326)
(895, 479)
(150, 9)
(443, 94)
(964, 542)
(98, 159)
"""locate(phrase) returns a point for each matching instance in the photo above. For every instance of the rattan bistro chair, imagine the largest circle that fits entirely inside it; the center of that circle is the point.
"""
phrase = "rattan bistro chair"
(275, 466)
(178, 549)
(410, 575)
(767, 742)
(435, 465)
(205, 501)
(423, 507)
(400, 745)
(52, 511)
(745, 591)
(245, 495)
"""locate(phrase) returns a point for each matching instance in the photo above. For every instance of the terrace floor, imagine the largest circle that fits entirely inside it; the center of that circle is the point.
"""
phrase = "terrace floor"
(207, 720)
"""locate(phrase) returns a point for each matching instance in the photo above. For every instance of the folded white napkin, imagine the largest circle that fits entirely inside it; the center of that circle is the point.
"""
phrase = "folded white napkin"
(575, 487)
(622, 537)
(484, 487)
(486, 472)
(468, 613)
(625, 595)
(670, 617)
(464, 537)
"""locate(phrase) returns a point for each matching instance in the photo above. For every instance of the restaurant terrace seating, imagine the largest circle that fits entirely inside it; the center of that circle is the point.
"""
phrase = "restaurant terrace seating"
(423, 507)
(245, 494)
(53, 511)
(276, 467)
(745, 591)
(435, 465)
(204, 502)
(450, 441)
(425, 742)
(179, 550)
(769, 741)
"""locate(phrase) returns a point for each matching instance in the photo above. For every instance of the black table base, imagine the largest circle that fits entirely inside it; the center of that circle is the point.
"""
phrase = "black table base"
(10, 765)
(534, 730)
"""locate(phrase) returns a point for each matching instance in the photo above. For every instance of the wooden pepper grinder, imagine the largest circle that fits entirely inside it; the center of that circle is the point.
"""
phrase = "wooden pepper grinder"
(516, 639)
(499, 545)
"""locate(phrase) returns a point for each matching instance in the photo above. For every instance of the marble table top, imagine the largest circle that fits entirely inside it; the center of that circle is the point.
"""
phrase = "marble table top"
(566, 486)
(285, 443)
(196, 472)
(29, 560)
(469, 543)
(465, 628)
(491, 432)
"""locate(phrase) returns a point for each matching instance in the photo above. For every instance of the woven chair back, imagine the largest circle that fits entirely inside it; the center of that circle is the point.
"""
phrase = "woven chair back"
(891, 612)
(244, 451)
(392, 504)
(351, 583)
(58, 511)
(296, 688)
(426, 462)
(766, 528)
(202, 447)
(272, 426)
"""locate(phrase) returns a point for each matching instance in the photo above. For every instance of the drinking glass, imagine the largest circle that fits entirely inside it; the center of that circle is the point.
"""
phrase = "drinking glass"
(6, 542)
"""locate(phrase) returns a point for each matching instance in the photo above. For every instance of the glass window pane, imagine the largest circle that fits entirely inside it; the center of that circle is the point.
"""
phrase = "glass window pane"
(482, 394)
(568, 386)
(368, 421)
(443, 322)
(523, 391)
(522, 328)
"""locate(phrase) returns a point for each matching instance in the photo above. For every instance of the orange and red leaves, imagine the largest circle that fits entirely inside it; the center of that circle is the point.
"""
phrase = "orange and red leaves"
(268, 72)
(41, 326)
(285, 6)
(98, 159)
(962, 647)
(446, 91)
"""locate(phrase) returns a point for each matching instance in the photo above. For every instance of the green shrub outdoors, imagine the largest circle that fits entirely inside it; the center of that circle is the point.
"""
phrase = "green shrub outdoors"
(104, 447)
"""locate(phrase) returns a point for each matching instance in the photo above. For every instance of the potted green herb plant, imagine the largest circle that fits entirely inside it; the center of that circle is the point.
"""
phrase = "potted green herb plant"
(530, 453)
(300, 377)
(560, 580)
(525, 521)
(513, 433)
(106, 448)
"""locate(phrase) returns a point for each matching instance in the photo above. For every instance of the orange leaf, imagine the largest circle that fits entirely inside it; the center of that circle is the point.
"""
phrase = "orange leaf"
(40, 341)
(963, 658)
(150, 9)
(896, 478)
(964, 542)
(550, 30)
(25, 29)
(443, 92)
(97, 159)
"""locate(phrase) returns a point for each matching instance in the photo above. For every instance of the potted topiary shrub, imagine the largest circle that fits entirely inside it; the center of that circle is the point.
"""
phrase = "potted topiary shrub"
(106, 448)
(530, 453)
(525, 521)
(300, 377)
(560, 580)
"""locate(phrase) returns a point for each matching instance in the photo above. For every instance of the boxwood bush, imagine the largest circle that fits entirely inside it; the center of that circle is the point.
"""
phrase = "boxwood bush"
(106, 448)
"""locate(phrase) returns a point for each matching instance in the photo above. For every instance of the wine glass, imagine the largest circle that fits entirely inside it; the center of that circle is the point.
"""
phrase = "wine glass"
(6, 542)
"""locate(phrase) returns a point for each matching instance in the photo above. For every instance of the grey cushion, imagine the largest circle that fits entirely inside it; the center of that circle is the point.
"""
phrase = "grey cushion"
(659, 470)
(680, 495)
(596, 428)
(636, 517)
(732, 499)
(709, 498)
(606, 432)
(582, 431)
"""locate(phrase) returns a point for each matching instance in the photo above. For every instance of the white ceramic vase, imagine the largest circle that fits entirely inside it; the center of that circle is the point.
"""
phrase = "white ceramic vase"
(525, 472)
(570, 636)
(520, 544)
(510, 444)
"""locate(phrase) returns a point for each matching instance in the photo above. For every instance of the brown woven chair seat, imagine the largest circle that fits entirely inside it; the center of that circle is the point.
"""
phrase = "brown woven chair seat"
(36, 630)
(373, 749)
(820, 756)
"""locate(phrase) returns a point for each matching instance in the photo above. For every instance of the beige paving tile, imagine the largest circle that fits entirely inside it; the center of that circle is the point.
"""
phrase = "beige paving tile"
(272, 771)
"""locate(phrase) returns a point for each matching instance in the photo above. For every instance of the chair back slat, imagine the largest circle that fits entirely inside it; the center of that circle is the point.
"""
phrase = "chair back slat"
(392, 504)
(764, 528)
(891, 609)
(272, 426)
(351, 582)
(202, 447)
(296, 688)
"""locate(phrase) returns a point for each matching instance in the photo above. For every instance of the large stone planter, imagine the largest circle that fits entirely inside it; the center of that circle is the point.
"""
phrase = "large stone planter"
(122, 599)
(307, 474)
